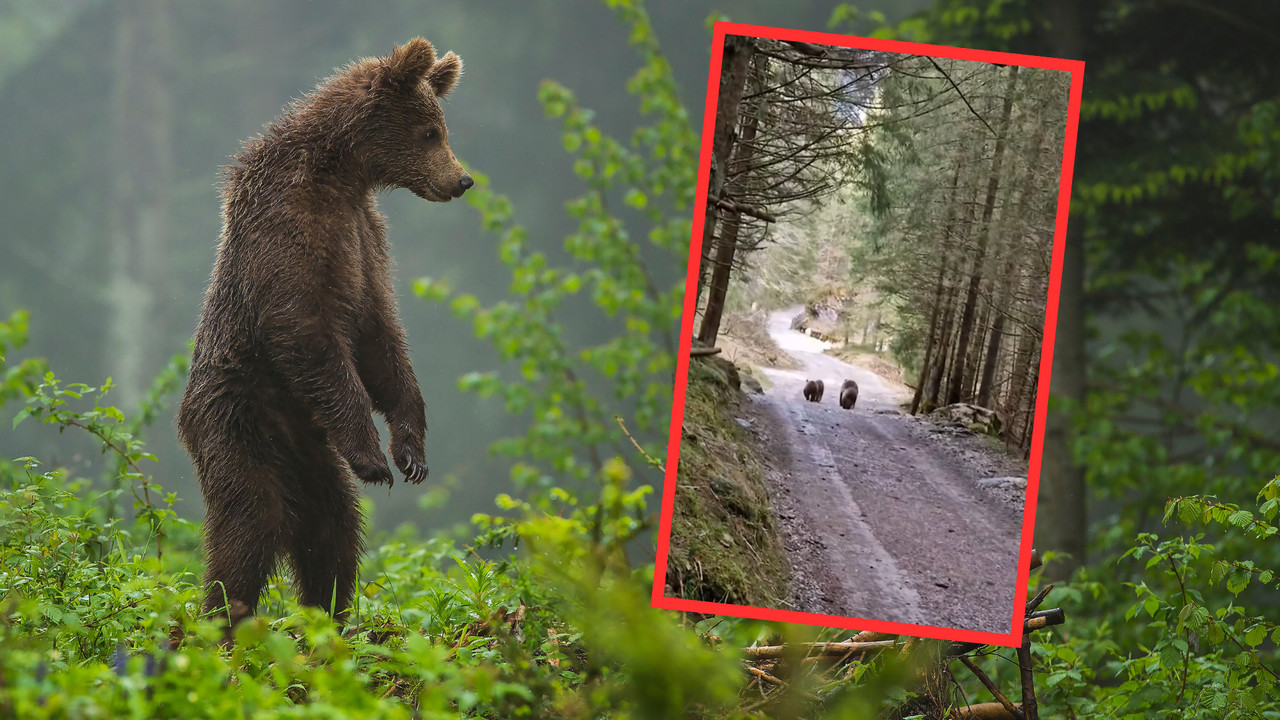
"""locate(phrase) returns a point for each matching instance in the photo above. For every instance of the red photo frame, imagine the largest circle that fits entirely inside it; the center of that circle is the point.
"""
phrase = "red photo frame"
(1017, 602)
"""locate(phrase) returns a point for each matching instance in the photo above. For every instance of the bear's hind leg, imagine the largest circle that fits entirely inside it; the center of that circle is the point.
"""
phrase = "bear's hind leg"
(244, 532)
(326, 539)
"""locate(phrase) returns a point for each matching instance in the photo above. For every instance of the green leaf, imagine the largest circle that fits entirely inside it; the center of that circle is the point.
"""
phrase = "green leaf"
(1255, 635)
(1241, 518)
(1151, 605)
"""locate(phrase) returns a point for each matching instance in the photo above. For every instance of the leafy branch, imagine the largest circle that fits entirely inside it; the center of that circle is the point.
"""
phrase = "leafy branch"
(48, 405)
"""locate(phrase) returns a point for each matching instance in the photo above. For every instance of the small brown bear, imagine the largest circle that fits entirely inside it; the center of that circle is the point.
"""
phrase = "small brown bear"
(813, 391)
(299, 340)
(848, 394)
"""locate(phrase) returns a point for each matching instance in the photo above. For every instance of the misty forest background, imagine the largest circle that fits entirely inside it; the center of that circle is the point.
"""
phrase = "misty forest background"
(117, 117)
(114, 117)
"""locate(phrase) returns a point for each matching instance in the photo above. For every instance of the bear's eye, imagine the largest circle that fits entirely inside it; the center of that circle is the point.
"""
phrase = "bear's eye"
(430, 134)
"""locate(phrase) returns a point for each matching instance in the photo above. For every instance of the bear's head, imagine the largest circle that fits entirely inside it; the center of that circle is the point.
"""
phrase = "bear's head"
(403, 139)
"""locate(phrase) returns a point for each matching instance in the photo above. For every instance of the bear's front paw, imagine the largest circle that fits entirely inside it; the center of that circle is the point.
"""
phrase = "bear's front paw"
(373, 472)
(410, 463)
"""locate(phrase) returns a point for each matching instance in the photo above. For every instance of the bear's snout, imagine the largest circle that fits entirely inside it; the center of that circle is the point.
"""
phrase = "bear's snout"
(464, 185)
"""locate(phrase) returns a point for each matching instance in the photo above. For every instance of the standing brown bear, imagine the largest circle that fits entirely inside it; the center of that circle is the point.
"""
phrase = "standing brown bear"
(299, 340)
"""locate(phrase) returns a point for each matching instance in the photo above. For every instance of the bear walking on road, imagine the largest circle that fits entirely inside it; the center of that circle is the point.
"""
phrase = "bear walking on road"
(813, 391)
(299, 340)
(848, 394)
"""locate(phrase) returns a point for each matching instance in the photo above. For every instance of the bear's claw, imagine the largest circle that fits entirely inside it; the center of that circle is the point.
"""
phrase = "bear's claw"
(415, 471)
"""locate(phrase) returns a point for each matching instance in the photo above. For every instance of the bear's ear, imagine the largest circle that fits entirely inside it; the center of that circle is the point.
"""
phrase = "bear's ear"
(407, 64)
(444, 74)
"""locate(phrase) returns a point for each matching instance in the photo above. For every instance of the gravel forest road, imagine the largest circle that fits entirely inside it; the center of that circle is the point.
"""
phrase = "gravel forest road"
(882, 515)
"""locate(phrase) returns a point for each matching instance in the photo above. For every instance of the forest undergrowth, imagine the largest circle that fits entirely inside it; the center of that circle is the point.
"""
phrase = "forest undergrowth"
(561, 624)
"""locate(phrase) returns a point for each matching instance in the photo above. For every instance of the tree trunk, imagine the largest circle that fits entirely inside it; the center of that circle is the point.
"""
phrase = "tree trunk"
(726, 249)
(975, 360)
(733, 79)
(1062, 485)
(727, 246)
(929, 341)
(1062, 481)
(1002, 302)
(944, 354)
(993, 355)
(139, 220)
(931, 344)
(1027, 394)
(975, 279)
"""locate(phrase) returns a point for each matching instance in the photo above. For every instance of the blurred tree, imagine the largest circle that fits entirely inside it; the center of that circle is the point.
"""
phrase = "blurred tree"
(142, 163)
(228, 68)
(1175, 210)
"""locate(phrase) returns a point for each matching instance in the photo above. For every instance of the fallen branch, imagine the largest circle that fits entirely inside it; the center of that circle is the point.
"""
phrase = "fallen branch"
(1039, 598)
(985, 711)
(991, 687)
(825, 656)
(700, 351)
(764, 675)
(1042, 620)
(830, 649)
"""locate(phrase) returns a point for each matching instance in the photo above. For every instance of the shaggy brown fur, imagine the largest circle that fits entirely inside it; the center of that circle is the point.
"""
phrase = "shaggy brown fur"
(299, 340)
(813, 391)
(848, 394)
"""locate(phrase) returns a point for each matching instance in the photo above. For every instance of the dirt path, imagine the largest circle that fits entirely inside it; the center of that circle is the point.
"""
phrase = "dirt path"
(883, 516)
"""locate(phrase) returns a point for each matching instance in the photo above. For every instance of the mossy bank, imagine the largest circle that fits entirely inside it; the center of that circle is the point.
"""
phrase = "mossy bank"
(724, 541)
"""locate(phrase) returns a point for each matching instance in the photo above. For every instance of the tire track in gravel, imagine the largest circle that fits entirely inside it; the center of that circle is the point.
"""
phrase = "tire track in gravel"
(883, 519)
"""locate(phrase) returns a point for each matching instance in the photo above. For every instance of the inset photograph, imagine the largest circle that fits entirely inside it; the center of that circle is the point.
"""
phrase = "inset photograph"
(868, 330)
